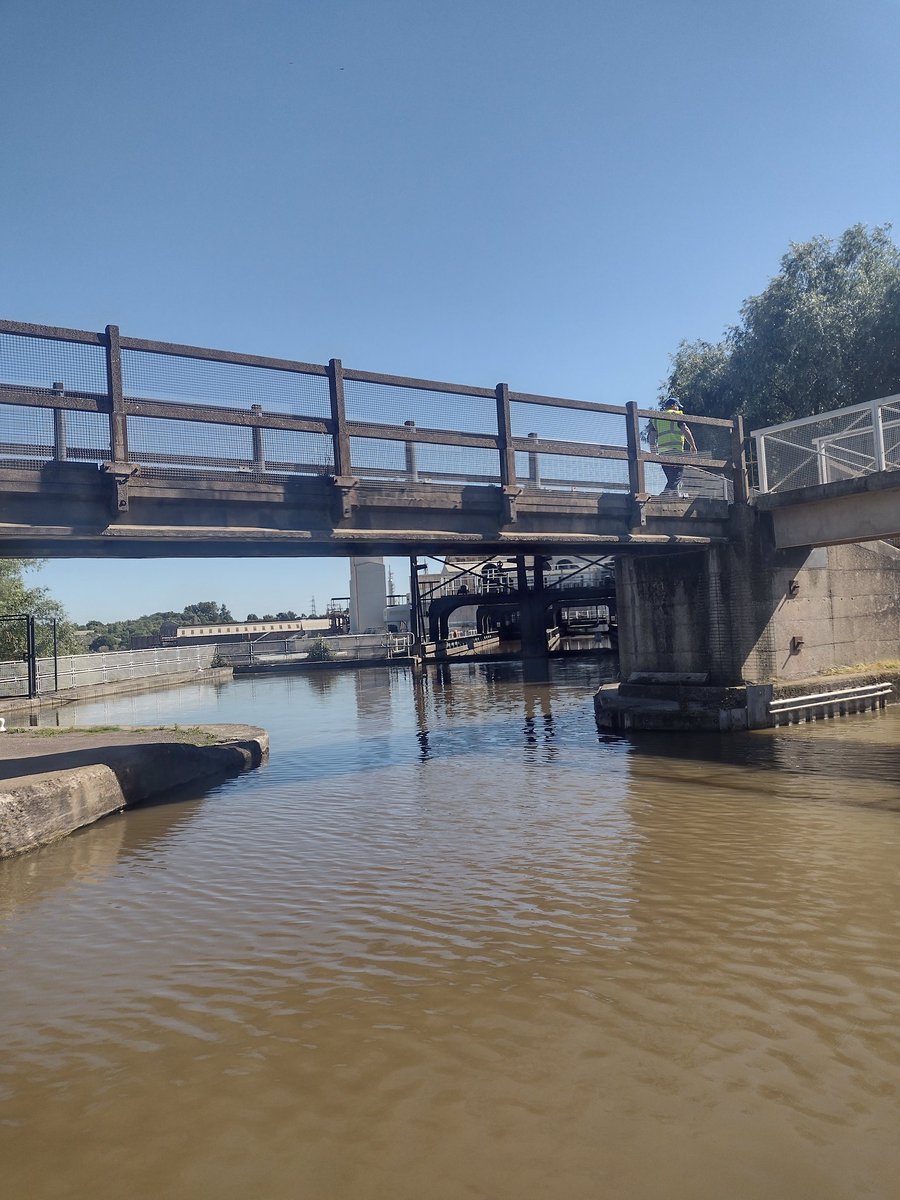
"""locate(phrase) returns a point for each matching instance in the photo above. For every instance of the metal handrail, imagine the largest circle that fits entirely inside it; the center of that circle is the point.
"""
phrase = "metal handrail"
(840, 698)
(860, 691)
(867, 420)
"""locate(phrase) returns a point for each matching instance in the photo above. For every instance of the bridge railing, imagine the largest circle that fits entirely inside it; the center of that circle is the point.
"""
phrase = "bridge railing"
(174, 411)
(842, 444)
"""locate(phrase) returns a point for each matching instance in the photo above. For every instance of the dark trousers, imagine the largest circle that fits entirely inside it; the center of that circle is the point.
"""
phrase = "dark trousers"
(673, 475)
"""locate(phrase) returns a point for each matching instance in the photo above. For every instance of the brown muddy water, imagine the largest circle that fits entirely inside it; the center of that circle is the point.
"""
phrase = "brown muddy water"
(451, 943)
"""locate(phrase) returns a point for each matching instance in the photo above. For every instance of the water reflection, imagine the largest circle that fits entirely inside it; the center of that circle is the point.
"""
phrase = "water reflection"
(539, 731)
(91, 853)
(320, 682)
(420, 689)
(853, 761)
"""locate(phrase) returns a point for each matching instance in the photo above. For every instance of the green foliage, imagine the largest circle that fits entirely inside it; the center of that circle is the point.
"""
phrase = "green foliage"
(319, 651)
(290, 615)
(824, 334)
(206, 612)
(16, 597)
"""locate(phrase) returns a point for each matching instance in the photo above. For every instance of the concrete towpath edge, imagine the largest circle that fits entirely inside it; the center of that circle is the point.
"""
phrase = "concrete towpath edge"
(55, 785)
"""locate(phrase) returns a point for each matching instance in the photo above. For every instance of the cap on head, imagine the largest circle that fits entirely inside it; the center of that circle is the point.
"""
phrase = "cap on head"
(674, 402)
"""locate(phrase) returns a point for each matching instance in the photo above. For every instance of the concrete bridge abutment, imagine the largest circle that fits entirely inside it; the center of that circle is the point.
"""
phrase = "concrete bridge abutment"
(743, 615)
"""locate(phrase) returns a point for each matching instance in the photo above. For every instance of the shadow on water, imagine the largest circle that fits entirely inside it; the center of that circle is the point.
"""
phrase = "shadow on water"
(855, 761)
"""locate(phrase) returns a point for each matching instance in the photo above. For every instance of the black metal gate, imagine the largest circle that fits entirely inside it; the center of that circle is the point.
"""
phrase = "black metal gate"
(22, 640)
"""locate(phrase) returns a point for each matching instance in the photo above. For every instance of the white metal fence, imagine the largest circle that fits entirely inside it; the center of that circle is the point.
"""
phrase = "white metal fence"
(843, 444)
(349, 647)
(112, 666)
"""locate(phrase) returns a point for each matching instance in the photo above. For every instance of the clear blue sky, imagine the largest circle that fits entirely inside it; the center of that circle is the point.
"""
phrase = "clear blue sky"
(551, 194)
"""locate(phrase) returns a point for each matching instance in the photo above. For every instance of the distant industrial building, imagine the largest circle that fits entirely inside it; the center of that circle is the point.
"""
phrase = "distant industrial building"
(241, 631)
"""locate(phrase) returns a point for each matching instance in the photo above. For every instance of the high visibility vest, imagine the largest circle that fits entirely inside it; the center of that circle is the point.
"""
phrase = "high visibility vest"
(669, 438)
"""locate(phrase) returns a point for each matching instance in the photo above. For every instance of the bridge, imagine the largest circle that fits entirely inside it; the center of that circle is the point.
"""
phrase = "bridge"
(120, 447)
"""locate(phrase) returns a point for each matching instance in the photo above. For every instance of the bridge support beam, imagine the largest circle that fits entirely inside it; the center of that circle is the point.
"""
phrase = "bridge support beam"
(532, 608)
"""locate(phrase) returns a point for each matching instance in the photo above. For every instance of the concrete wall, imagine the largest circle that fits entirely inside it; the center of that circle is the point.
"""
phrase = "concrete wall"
(846, 609)
(732, 611)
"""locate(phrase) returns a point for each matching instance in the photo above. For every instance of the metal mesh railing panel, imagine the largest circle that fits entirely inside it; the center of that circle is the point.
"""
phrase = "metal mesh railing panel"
(26, 434)
(566, 471)
(787, 465)
(827, 448)
(853, 454)
(87, 436)
(381, 458)
(38, 363)
(82, 670)
(179, 379)
(378, 458)
(890, 425)
(79, 670)
(566, 424)
(362, 646)
(163, 447)
(385, 404)
(292, 452)
(463, 464)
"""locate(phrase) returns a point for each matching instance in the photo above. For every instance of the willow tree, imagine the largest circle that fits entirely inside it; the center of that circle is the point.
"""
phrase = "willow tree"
(825, 333)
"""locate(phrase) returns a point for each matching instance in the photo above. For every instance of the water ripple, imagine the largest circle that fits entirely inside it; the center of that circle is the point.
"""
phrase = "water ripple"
(452, 942)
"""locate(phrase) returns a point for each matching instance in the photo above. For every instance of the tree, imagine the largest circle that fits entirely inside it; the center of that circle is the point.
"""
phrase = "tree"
(825, 333)
(117, 635)
(103, 642)
(17, 599)
(252, 617)
(207, 612)
(319, 651)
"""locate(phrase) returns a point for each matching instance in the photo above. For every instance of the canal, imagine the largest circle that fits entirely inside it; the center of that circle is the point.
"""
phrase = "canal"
(451, 942)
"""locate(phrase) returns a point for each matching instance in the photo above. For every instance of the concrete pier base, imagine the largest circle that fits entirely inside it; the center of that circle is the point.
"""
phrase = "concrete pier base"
(682, 703)
(676, 704)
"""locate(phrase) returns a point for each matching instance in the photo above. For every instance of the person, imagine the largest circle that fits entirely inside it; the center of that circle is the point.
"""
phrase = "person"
(670, 436)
